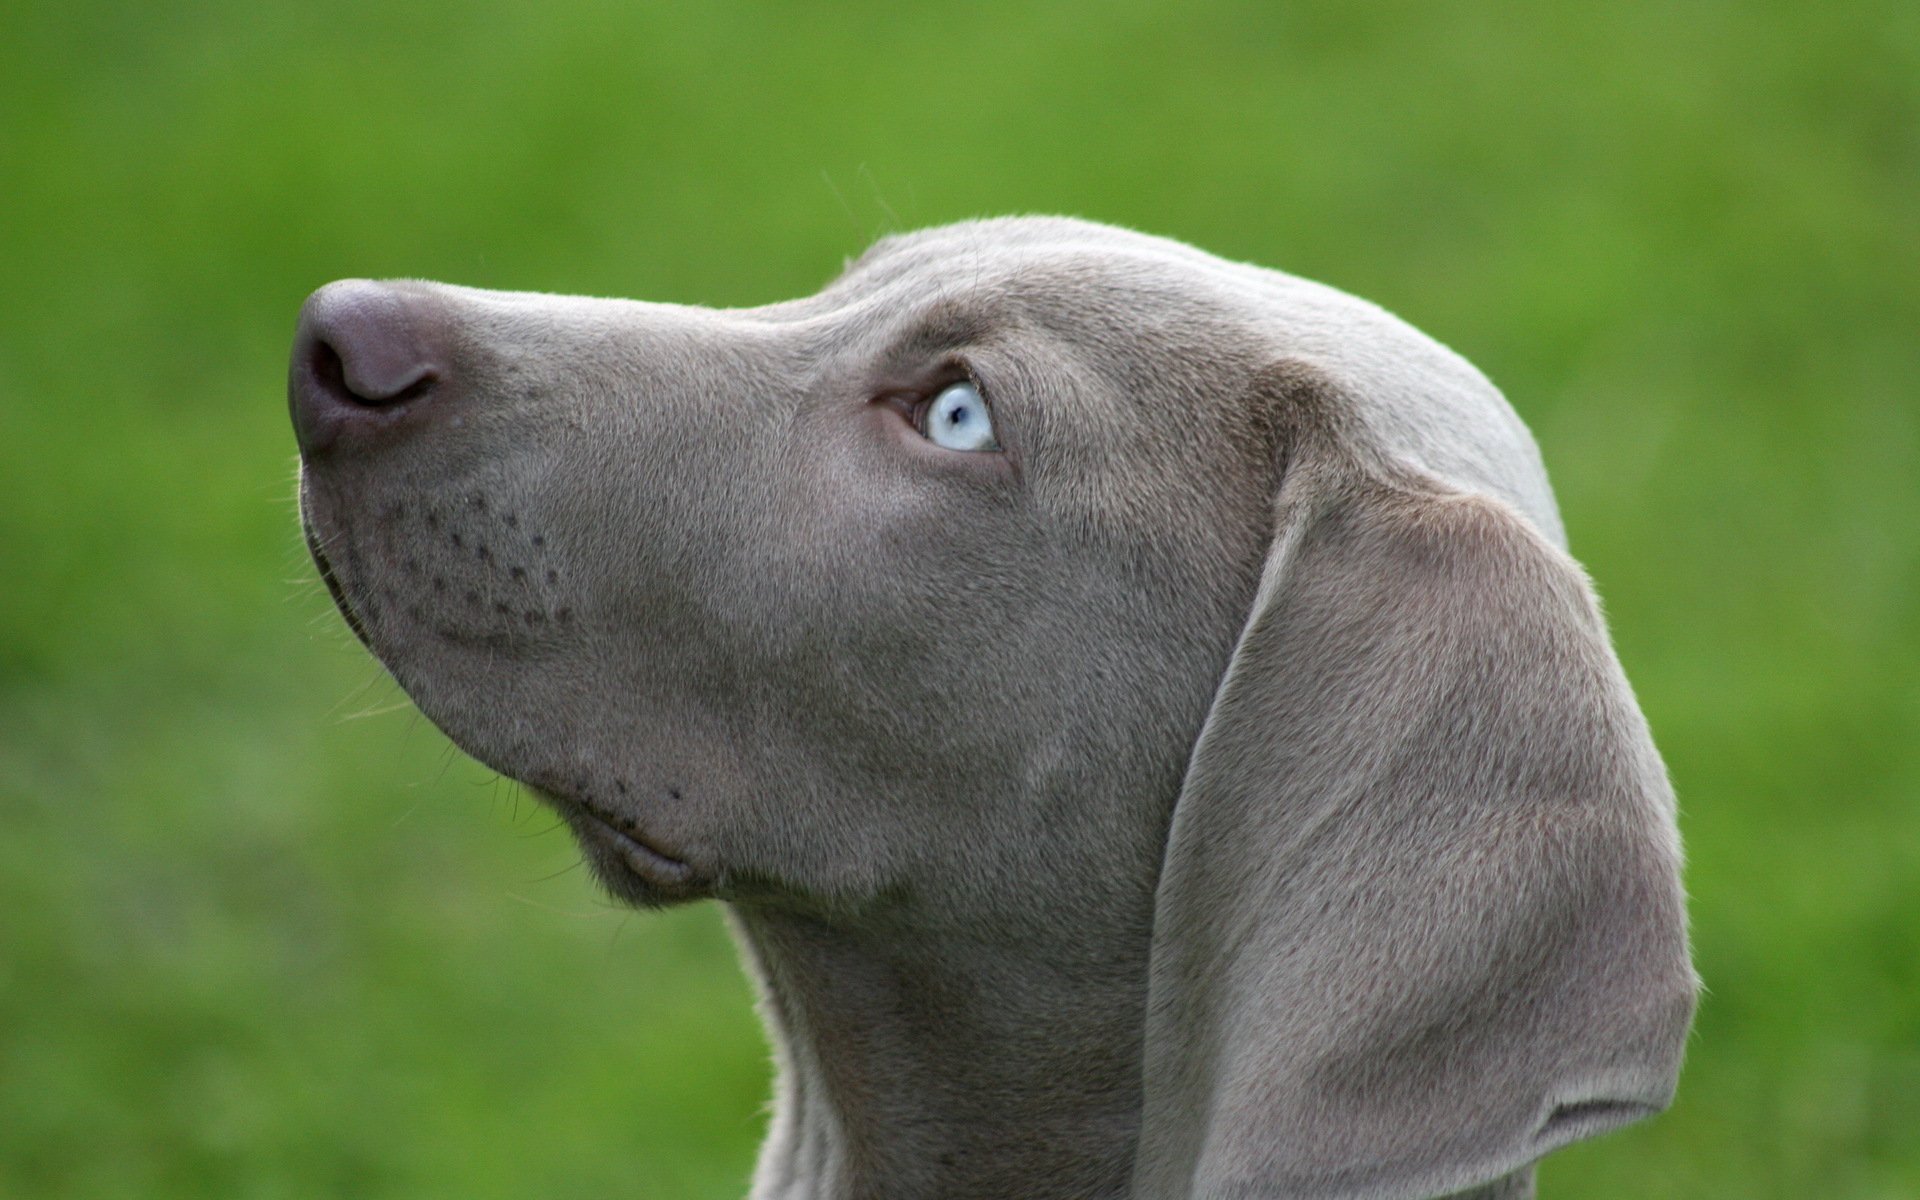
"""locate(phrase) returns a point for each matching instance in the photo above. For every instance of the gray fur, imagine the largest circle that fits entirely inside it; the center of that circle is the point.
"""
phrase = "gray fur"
(1228, 792)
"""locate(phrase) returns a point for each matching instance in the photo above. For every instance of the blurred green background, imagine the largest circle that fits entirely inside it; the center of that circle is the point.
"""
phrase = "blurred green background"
(263, 934)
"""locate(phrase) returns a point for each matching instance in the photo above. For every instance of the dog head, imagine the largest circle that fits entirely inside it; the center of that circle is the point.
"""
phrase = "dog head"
(1035, 572)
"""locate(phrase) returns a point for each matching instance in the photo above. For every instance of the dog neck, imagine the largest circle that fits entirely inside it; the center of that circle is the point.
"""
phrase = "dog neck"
(914, 1063)
(918, 1064)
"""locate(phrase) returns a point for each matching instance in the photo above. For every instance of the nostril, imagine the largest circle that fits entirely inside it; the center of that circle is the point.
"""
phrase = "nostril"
(365, 356)
(323, 362)
(417, 388)
(366, 381)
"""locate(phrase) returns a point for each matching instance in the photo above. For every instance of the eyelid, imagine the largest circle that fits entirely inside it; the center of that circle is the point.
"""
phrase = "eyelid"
(955, 369)
(910, 396)
(910, 393)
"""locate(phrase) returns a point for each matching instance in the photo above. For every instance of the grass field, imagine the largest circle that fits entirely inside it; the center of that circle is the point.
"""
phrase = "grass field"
(264, 934)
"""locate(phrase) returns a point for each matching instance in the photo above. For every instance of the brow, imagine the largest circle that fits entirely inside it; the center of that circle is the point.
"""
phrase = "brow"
(941, 328)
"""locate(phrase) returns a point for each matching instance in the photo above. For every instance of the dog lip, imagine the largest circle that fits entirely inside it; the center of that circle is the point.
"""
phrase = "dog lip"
(334, 587)
(646, 859)
(641, 855)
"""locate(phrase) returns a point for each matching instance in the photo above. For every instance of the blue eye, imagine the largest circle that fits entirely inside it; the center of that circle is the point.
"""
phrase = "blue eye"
(958, 419)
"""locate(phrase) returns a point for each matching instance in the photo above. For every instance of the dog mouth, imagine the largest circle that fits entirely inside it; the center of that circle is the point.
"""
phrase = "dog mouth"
(623, 854)
(629, 862)
(335, 589)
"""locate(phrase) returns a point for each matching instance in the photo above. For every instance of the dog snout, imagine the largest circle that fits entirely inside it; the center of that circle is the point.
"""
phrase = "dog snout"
(367, 357)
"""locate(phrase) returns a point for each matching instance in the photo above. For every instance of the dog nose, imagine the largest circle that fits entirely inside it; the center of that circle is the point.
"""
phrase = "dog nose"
(366, 356)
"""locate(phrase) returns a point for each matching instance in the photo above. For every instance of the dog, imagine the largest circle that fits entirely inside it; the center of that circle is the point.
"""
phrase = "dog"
(1136, 708)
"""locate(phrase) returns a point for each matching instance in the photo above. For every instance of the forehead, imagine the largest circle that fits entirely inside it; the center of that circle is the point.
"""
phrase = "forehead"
(1160, 323)
(1143, 312)
(1119, 364)
(1052, 267)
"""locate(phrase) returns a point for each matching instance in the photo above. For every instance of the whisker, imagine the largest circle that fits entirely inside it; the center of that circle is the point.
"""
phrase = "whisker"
(595, 915)
(381, 711)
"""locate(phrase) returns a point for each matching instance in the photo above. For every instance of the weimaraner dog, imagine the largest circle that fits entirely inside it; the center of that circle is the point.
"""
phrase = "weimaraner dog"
(1135, 707)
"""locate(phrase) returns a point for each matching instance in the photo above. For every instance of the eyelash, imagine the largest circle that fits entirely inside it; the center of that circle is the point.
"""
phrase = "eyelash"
(912, 402)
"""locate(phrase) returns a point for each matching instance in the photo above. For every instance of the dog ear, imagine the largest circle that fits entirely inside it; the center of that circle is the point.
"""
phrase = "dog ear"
(1420, 919)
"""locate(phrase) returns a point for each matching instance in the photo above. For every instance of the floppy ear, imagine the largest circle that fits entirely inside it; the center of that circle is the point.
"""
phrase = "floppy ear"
(1420, 919)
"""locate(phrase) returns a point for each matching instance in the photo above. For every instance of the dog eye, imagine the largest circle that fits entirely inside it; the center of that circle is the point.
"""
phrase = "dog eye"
(958, 419)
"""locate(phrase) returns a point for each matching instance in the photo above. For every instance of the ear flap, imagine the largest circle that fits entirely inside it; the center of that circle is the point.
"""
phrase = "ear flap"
(1420, 919)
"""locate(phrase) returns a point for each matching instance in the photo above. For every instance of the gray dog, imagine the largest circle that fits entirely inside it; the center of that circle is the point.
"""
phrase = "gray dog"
(1135, 707)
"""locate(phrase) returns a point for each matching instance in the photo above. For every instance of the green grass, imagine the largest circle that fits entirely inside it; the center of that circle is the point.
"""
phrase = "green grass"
(254, 945)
